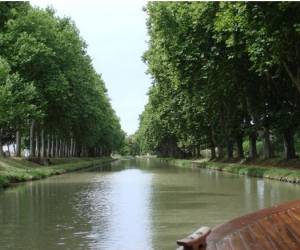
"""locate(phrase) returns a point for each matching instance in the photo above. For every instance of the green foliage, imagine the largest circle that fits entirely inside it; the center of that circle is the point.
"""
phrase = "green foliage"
(16, 101)
(13, 171)
(276, 173)
(131, 146)
(47, 79)
(270, 172)
(221, 72)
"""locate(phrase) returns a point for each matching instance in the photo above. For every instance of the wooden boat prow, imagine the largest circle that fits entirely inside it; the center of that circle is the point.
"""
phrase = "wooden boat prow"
(272, 228)
(195, 240)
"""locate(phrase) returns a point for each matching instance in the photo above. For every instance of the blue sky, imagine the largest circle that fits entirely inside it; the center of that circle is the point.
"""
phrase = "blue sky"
(116, 34)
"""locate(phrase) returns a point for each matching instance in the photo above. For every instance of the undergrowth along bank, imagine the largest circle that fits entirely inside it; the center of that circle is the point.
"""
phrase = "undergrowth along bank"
(286, 174)
(15, 170)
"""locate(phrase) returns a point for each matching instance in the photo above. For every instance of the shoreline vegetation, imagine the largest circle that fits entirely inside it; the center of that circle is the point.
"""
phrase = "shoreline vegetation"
(224, 79)
(53, 103)
(275, 169)
(54, 106)
(15, 170)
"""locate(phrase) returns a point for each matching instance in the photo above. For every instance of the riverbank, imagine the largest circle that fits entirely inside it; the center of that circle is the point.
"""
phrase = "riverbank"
(287, 171)
(15, 170)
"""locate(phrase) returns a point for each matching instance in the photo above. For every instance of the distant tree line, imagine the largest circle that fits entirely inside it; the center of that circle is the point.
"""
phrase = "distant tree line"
(131, 146)
(225, 74)
(51, 99)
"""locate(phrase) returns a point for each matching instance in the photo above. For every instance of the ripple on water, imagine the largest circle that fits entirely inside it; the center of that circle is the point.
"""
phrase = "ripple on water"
(106, 210)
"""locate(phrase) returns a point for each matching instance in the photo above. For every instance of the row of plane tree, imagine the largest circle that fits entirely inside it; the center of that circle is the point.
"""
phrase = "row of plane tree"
(52, 101)
(226, 75)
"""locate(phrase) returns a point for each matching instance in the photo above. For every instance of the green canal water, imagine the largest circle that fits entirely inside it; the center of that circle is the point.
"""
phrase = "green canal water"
(128, 205)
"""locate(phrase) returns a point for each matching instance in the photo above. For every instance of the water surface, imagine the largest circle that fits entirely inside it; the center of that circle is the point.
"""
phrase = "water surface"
(134, 205)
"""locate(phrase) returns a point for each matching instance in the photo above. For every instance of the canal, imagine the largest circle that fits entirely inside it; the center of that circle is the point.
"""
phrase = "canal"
(128, 205)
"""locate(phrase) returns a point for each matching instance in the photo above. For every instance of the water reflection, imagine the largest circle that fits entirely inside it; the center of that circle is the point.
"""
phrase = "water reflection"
(131, 221)
(129, 205)
(261, 193)
(118, 210)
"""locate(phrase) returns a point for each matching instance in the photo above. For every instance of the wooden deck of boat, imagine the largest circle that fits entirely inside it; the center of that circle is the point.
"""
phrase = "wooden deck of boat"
(268, 229)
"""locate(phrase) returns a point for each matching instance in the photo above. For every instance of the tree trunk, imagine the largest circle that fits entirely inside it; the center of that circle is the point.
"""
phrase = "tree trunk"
(32, 139)
(252, 145)
(81, 151)
(42, 144)
(84, 151)
(1, 143)
(212, 146)
(288, 144)
(18, 143)
(71, 147)
(63, 148)
(267, 146)
(48, 146)
(197, 152)
(52, 146)
(295, 78)
(38, 145)
(66, 149)
(56, 147)
(240, 149)
(74, 148)
(212, 152)
(220, 151)
(229, 148)
(78, 150)
(60, 149)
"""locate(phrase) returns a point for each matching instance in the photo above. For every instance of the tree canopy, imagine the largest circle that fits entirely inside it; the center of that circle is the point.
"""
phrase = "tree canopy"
(52, 99)
(223, 74)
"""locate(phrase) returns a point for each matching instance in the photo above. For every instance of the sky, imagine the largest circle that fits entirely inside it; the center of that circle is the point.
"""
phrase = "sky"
(116, 34)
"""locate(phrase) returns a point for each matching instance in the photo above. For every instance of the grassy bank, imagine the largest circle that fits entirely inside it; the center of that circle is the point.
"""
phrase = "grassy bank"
(14, 170)
(275, 169)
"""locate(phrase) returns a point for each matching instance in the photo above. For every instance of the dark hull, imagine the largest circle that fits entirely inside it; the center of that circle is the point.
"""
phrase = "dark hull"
(277, 227)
